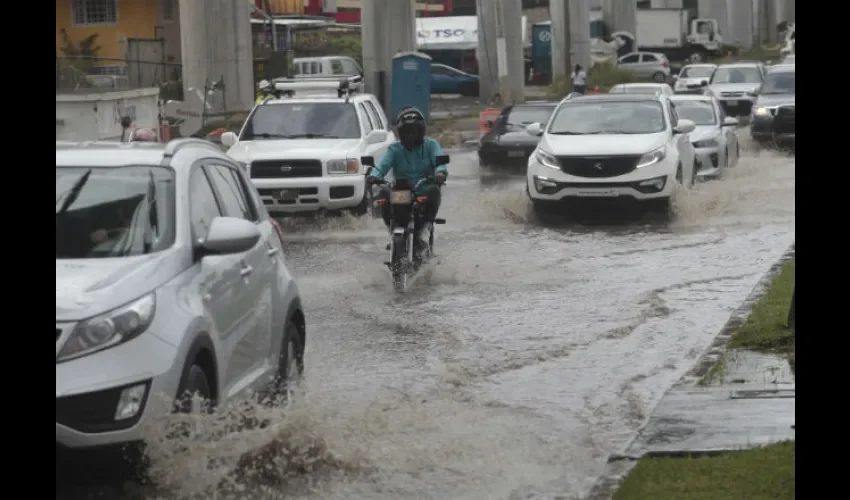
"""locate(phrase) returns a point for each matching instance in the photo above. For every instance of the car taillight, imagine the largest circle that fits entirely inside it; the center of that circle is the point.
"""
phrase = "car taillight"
(277, 229)
(665, 64)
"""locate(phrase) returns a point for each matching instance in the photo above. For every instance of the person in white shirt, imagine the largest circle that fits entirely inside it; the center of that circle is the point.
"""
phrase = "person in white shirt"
(579, 78)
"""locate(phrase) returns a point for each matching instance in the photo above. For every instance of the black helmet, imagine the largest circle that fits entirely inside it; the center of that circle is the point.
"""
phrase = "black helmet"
(410, 123)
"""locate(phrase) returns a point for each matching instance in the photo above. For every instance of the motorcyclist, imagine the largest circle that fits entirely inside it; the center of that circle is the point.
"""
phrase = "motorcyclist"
(264, 89)
(413, 157)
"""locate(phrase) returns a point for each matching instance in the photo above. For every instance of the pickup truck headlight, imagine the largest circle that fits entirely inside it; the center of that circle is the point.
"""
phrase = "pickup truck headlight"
(762, 111)
(346, 166)
(109, 329)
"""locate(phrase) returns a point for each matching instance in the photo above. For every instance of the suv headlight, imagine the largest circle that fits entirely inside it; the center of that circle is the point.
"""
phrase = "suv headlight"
(109, 329)
(652, 157)
(547, 159)
(346, 166)
(762, 111)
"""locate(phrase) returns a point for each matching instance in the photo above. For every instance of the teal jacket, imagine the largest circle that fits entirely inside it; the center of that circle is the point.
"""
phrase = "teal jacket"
(413, 165)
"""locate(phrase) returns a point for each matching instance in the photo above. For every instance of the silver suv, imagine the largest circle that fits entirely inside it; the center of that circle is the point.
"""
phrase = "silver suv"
(170, 279)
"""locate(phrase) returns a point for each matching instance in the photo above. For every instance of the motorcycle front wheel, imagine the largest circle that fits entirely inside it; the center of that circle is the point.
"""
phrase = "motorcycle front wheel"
(398, 262)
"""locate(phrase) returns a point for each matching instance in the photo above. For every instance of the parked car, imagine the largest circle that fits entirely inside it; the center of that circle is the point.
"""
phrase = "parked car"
(642, 88)
(693, 78)
(170, 279)
(507, 143)
(629, 147)
(715, 137)
(774, 117)
(448, 80)
(651, 65)
(302, 148)
(734, 85)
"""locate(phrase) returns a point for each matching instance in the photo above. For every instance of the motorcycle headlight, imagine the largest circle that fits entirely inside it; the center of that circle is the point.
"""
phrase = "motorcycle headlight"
(346, 166)
(547, 159)
(762, 111)
(652, 157)
(706, 143)
(109, 329)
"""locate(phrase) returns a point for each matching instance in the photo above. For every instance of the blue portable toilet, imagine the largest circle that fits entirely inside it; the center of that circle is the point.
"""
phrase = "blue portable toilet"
(411, 82)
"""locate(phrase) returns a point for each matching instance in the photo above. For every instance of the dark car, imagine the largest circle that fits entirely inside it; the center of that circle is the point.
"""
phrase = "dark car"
(507, 144)
(774, 111)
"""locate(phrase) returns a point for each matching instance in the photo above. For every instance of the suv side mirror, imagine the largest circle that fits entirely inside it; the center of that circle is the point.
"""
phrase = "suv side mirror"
(368, 161)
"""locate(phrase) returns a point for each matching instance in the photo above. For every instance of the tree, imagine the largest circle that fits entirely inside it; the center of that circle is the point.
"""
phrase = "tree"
(79, 57)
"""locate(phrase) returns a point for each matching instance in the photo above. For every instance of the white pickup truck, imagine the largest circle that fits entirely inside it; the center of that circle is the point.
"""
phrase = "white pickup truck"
(672, 33)
(302, 147)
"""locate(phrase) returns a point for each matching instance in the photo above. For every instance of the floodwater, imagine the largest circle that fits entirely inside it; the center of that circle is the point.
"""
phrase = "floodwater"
(514, 367)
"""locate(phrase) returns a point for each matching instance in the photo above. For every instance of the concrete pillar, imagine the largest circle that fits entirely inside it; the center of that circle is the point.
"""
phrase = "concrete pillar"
(562, 60)
(387, 27)
(488, 66)
(215, 42)
(580, 32)
(509, 52)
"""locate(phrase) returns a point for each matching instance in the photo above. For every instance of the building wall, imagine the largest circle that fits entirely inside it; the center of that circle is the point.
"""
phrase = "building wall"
(134, 19)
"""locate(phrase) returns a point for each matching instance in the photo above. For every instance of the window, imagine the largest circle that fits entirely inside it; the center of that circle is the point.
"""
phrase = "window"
(608, 117)
(304, 120)
(350, 67)
(439, 70)
(633, 58)
(233, 200)
(737, 74)
(336, 67)
(649, 58)
(699, 112)
(315, 68)
(367, 120)
(167, 7)
(380, 121)
(203, 207)
(88, 12)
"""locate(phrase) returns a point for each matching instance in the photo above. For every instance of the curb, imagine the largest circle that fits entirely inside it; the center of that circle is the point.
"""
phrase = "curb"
(607, 484)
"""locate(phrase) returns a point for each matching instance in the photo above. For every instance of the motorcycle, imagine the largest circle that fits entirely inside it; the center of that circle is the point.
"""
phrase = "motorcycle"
(406, 256)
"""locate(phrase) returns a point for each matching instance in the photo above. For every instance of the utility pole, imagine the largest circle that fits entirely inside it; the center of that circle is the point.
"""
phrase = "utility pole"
(509, 49)
(561, 39)
(488, 66)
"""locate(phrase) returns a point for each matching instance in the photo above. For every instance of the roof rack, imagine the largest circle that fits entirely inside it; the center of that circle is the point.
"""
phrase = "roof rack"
(344, 87)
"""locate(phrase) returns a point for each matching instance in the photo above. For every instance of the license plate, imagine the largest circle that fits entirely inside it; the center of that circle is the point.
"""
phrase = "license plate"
(286, 195)
(732, 103)
(400, 197)
(599, 193)
(516, 154)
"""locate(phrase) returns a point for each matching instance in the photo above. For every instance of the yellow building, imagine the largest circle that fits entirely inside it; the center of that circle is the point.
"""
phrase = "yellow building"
(114, 21)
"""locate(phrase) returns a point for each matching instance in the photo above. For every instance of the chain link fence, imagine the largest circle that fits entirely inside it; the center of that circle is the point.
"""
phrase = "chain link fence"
(82, 74)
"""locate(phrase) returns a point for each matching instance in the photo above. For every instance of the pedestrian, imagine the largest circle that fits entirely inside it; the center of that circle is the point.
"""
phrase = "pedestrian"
(579, 78)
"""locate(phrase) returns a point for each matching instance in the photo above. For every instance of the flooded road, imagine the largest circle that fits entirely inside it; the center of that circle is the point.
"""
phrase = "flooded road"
(518, 363)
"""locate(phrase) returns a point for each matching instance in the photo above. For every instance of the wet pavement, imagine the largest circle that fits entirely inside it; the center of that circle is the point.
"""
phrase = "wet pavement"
(519, 362)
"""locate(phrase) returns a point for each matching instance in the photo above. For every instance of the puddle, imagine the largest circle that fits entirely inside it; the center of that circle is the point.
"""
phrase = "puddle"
(741, 366)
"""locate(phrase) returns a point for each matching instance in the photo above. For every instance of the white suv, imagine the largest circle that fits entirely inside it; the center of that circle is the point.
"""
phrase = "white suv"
(610, 146)
(302, 147)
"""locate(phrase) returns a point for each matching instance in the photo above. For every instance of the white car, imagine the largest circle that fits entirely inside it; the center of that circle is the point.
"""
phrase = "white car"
(693, 78)
(652, 65)
(302, 149)
(715, 137)
(610, 146)
(735, 86)
(642, 88)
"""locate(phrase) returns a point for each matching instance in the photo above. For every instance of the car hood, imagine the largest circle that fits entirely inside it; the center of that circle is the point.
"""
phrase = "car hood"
(702, 132)
(293, 149)
(518, 138)
(603, 144)
(88, 287)
(776, 100)
(733, 87)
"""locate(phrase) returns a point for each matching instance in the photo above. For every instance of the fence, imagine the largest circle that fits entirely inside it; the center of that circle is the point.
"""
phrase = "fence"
(100, 74)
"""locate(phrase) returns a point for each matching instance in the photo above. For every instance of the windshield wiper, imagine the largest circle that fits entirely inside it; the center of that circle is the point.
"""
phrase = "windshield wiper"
(74, 192)
(311, 136)
(270, 136)
(567, 132)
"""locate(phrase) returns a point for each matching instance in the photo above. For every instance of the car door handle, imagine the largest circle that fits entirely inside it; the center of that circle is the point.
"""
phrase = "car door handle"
(245, 271)
(271, 251)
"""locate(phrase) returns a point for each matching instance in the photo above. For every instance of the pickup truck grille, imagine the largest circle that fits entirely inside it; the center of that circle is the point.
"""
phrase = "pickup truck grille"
(284, 169)
(598, 166)
(785, 120)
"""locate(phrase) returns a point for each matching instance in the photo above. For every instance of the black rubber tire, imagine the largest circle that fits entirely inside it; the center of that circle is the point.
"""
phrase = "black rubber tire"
(542, 214)
(398, 259)
(693, 176)
(659, 77)
(362, 207)
(281, 383)
(680, 175)
(194, 381)
(661, 206)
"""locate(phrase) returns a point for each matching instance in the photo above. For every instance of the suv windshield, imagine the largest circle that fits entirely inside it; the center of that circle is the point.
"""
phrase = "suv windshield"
(696, 72)
(699, 112)
(739, 74)
(784, 82)
(302, 120)
(113, 211)
(611, 117)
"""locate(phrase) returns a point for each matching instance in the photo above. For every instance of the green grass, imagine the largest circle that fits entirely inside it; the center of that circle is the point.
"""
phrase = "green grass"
(602, 75)
(765, 328)
(759, 474)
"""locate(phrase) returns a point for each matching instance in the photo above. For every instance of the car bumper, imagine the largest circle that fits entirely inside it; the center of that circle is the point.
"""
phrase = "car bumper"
(88, 391)
(313, 193)
(687, 91)
(736, 106)
(768, 128)
(506, 156)
(710, 161)
(648, 183)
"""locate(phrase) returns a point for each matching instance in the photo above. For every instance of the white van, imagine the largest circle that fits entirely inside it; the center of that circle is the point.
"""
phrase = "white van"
(312, 67)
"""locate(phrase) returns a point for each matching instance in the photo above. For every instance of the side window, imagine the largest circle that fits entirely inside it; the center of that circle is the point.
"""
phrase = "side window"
(438, 70)
(366, 119)
(376, 124)
(296, 68)
(314, 68)
(633, 58)
(336, 67)
(649, 58)
(233, 201)
(378, 120)
(349, 67)
(203, 207)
